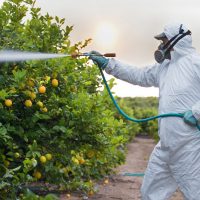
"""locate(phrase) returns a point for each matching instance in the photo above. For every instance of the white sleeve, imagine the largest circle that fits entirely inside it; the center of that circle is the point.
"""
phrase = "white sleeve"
(196, 106)
(146, 76)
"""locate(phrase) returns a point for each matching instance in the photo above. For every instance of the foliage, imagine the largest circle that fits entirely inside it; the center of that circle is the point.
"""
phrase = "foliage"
(140, 108)
(124, 104)
(65, 133)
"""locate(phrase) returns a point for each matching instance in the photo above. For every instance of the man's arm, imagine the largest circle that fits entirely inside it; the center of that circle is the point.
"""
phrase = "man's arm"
(146, 76)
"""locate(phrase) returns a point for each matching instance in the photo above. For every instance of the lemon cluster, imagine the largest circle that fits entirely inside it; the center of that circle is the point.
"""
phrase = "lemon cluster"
(32, 95)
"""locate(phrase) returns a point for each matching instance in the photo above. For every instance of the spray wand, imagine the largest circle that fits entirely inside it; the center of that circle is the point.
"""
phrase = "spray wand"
(111, 55)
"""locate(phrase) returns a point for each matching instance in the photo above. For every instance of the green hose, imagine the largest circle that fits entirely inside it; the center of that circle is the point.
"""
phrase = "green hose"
(181, 115)
(133, 174)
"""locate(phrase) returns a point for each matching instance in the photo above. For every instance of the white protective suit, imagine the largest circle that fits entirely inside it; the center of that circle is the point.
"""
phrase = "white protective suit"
(175, 160)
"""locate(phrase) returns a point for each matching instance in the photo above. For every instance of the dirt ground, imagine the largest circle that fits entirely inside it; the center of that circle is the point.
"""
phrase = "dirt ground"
(126, 187)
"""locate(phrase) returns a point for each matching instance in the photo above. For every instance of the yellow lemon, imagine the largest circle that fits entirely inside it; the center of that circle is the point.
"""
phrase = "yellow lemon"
(48, 156)
(37, 174)
(81, 161)
(40, 104)
(42, 89)
(44, 109)
(28, 103)
(8, 102)
(75, 160)
(32, 95)
(43, 159)
(54, 82)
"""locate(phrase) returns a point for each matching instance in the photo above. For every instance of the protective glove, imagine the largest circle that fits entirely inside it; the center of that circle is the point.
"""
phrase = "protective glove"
(189, 118)
(98, 59)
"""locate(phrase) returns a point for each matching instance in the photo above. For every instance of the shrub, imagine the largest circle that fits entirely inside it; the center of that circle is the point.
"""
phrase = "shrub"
(70, 121)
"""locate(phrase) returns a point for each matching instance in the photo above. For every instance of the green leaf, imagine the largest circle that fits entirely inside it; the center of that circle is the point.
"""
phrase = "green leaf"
(17, 1)
(37, 116)
(19, 75)
(60, 128)
(3, 94)
(3, 134)
(4, 184)
(57, 19)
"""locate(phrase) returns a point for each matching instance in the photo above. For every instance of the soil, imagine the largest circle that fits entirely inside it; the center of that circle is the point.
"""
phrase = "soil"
(126, 187)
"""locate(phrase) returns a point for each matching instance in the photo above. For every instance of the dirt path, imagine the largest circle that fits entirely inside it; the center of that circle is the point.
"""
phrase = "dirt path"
(126, 187)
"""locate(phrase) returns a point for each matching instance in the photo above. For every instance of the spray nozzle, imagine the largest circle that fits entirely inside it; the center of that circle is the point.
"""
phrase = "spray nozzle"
(75, 55)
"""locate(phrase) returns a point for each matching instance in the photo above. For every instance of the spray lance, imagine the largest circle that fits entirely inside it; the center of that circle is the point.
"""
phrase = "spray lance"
(16, 56)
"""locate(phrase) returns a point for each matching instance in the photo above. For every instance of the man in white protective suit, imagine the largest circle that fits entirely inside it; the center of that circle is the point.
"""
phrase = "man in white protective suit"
(175, 160)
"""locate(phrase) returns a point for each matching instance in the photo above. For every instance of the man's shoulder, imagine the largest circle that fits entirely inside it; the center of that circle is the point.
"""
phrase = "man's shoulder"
(194, 58)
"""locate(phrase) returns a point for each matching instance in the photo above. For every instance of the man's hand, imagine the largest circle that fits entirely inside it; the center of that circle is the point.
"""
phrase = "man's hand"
(98, 59)
(189, 118)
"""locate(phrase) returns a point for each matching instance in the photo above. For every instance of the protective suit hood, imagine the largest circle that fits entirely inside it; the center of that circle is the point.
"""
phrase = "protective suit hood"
(184, 45)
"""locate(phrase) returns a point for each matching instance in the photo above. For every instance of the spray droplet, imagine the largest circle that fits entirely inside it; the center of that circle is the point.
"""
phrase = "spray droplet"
(16, 56)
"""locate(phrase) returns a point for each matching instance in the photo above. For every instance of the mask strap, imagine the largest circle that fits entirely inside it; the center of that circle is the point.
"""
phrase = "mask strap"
(169, 42)
(181, 31)
(172, 45)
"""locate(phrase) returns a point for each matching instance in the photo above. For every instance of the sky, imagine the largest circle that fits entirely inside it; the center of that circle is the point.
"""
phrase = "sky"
(126, 27)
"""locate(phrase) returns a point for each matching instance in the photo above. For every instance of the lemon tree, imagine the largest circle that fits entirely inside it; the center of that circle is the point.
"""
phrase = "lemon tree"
(57, 123)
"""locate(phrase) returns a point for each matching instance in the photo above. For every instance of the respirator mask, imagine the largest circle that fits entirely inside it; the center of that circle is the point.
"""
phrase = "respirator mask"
(163, 51)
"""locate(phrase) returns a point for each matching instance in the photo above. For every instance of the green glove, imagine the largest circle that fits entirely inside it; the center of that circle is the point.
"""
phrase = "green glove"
(98, 59)
(189, 118)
